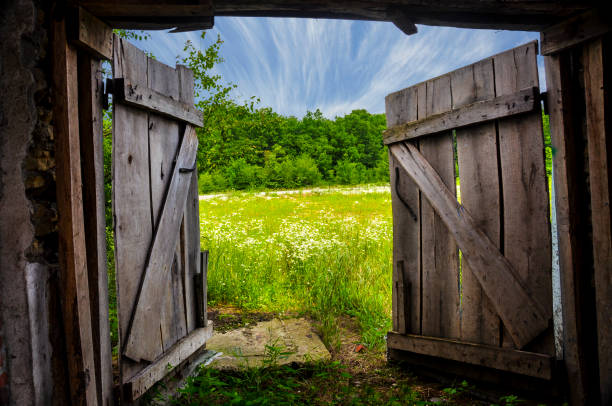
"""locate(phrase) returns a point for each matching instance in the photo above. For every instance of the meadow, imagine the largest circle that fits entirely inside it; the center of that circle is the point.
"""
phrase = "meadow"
(324, 253)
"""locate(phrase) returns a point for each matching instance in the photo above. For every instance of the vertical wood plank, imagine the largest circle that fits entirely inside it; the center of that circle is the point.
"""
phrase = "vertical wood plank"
(192, 213)
(567, 176)
(163, 146)
(600, 154)
(71, 233)
(480, 194)
(401, 107)
(92, 153)
(131, 181)
(526, 223)
(440, 260)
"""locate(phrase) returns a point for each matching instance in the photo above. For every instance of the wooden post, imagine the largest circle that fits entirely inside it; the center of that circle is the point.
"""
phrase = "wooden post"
(92, 153)
(72, 247)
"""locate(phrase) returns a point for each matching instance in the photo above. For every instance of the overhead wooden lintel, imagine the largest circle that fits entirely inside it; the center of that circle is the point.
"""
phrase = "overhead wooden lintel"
(91, 34)
(179, 352)
(513, 301)
(499, 107)
(575, 30)
(401, 20)
(155, 102)
(504, 359)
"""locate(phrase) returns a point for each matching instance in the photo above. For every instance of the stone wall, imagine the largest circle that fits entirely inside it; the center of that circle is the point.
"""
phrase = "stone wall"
(32, 369)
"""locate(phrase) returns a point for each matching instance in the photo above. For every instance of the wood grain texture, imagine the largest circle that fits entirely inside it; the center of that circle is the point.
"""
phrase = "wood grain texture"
(516, 15)
(164, 141)
(440, 257)
(92, 153)
(464, 115)
(403, 106)
(131, 191)
(566, 176)
(512, 299)
(520, 362)
(526, 238)
(91, 34)
(73, 274)
(179, 352)
(192, 213)
(149, 302)
(575, 30)
(595, 57)
(480, 195)
(157, 102)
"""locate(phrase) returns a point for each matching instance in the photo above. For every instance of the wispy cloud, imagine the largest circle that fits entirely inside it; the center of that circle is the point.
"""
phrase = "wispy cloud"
(296, 65)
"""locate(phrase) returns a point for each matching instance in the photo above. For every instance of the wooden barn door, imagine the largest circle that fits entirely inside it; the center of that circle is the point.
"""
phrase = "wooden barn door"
(160, 282)
(472, 244)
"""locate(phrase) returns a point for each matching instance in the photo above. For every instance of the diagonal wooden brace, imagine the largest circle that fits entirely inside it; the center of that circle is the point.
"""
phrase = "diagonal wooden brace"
(146, 313)
(522, 315)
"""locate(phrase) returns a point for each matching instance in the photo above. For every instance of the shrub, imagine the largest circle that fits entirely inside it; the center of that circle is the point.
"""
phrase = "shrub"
(241, 175)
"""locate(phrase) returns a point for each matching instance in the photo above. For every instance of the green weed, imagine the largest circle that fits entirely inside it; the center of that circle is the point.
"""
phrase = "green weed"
(322, 254)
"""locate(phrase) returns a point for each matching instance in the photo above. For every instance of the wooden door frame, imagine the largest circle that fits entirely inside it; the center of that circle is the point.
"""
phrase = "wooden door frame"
(80, 275)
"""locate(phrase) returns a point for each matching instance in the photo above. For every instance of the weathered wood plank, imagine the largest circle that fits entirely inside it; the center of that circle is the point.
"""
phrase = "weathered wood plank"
(402, 106)
(575, 30)
(156, 102)
(526, 221)
(92, 153)
(91, 34)
(200, 293)
(164, 141)
(520, 362)
(512, 300)
(192, 212)
(477, 112)
(149, 302)
(480, 194)
(172, 358)
(568, 174)
(595, 56)
(71, 225)
(440, 258)
(131, 182)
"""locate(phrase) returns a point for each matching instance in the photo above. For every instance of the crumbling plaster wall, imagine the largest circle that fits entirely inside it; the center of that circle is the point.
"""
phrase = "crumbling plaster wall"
(31, 370)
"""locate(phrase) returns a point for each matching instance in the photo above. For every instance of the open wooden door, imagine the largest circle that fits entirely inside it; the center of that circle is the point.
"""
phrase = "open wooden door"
(160, 281)
(472, 244)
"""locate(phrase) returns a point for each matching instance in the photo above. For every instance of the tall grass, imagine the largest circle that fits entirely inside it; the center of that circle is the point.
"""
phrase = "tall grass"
(323, 254)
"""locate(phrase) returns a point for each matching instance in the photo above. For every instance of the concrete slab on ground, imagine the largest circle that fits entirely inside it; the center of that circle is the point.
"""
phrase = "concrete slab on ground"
(247, 346)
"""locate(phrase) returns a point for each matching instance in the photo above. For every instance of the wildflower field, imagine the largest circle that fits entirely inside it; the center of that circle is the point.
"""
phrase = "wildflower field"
(325, 253)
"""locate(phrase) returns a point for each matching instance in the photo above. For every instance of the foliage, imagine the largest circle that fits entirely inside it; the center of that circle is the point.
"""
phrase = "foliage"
(321, 383)
(327, 254)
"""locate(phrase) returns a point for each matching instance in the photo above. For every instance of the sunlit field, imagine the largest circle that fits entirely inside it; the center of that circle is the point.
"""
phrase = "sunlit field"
(323, 253)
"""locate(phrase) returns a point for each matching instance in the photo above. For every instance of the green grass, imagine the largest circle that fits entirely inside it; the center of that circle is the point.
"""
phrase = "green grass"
(327, 383)
(324, 254)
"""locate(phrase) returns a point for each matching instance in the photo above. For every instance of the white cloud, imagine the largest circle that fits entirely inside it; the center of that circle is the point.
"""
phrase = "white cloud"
(295, 65)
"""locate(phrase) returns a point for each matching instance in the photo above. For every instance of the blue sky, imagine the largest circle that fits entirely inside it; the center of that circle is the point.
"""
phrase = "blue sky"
(296, 65)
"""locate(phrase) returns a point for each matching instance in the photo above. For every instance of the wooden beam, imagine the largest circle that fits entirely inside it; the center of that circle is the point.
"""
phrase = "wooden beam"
(595, 59)
(148, 8)
(91, 34)
(178, 24)
(578, 29)
(478, 112)
(401, 20)
(145, 317)
(201, 290)
(155, 102)
(71, 233)
(567, 177)
(504, 359)
(521, 314)
(92, 154)
(179, 352)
